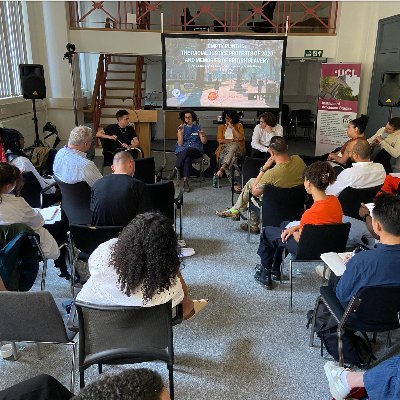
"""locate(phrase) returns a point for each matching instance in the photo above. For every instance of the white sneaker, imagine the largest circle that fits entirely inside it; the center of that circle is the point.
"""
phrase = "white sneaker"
(332, 372)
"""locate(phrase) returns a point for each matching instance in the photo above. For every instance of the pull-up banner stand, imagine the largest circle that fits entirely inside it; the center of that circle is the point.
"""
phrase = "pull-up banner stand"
(337, 104)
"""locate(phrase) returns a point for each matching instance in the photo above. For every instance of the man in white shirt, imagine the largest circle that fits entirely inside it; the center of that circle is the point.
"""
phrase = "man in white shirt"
(386, 141)
(71, 164)
(263, 133)
(363, 174)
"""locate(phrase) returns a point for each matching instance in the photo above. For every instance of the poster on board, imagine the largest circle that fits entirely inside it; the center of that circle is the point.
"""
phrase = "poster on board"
(337, 104)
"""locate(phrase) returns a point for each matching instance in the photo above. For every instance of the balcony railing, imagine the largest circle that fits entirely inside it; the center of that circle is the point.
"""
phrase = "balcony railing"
(300, 17)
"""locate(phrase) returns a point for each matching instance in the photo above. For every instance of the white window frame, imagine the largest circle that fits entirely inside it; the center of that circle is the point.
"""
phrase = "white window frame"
(13, 49)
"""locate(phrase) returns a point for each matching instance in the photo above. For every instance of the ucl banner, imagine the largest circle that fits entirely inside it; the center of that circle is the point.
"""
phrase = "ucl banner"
(337, 104)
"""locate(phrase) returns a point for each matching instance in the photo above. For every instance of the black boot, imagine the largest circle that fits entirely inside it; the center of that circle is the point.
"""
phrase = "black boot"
(264, 278)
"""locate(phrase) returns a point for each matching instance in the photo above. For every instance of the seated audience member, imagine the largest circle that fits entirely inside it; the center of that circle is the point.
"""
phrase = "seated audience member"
(286, 173)
(189, 146)
(118, 198)
(15, 209)
(363, 173)
(121, 136)
(386, 145)
(230, 137)
(131, 384)
(325, 210)
(13, 144)
(381, 382)
(263, 133)
(381, 265)
(71, 164)
(376, 267)
(355, 130)
(140, 268)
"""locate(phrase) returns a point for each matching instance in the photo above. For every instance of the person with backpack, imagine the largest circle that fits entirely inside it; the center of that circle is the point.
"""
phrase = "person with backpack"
(376, 267)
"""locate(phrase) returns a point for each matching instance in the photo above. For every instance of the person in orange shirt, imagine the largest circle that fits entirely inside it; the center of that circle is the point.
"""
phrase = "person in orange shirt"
(326, 209)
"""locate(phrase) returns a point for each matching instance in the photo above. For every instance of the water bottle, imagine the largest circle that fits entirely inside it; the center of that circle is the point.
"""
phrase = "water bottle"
(215, 180)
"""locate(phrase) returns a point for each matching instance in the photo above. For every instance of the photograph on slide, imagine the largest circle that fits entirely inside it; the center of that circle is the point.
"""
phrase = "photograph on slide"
(220, 72)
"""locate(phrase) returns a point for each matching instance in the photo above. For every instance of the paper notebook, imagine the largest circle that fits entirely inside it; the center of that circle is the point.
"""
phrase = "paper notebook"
(335, 262)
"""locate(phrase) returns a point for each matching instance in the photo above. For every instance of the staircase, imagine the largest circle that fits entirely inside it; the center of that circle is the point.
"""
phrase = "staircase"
(125, 77)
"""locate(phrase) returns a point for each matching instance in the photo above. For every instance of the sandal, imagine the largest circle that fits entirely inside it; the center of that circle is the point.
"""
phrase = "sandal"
(198, 305)
(228, 214)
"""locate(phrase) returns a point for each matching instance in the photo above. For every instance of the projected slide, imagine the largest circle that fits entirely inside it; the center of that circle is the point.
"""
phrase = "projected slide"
(209, 72)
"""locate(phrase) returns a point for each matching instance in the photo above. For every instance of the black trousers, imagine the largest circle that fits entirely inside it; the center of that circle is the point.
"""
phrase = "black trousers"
(259, 154)
(41, 387)
(271, 247)
(184, 160)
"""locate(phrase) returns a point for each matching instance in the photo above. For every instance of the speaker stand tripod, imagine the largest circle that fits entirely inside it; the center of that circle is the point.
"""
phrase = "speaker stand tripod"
(37, 142)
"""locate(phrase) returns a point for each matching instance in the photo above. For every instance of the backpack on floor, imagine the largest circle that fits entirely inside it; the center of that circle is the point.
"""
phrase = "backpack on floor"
(356, 350)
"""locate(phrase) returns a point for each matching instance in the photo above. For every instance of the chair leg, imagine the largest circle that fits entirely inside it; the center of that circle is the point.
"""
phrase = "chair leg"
(248, 225)
(72, 382)
(340, 347)
(15, 351)
(81, 377)
(171, 381)
(389, 340)
(44, 271)
(38, 350)
(291, 285)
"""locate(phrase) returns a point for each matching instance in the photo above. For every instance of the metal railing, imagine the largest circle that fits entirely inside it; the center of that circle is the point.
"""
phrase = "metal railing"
(300, 17)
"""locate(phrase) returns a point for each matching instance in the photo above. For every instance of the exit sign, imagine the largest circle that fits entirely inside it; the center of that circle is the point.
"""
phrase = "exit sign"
(313, 53)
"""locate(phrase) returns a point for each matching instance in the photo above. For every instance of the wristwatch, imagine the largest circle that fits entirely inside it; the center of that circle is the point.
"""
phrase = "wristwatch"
(263, 170)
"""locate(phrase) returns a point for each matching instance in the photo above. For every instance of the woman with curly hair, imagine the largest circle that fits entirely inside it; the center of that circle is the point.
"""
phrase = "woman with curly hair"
(140, 268)
(326, 209)
(230, 137)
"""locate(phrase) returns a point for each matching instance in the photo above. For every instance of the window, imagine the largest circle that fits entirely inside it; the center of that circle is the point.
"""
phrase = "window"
(12, 48)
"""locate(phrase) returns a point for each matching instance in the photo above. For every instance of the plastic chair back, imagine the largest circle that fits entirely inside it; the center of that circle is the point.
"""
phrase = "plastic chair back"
(88, 238)
(124, 335)
(251, 168)
(162, 195)
(145, 169)
(76, 202)
(351, 199)
(282, 204)
(318, 239)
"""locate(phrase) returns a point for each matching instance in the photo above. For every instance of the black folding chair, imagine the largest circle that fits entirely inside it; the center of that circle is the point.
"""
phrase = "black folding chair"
(304, 119)
(277, 205)
(162, 195)
(108, 153)
(145, 169)
(315, 240)
(33, 194)
(87, 239)
(125, 335)
(351, 199)
(372, 309)
(76, 202)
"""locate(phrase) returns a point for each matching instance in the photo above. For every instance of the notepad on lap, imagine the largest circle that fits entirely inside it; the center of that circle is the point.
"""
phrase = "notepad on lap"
(335, 262)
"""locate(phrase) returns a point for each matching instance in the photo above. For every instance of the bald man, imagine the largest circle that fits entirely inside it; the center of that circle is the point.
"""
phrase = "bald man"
(363, 174)
(118, 198)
